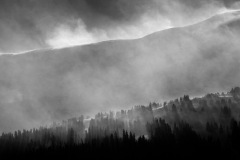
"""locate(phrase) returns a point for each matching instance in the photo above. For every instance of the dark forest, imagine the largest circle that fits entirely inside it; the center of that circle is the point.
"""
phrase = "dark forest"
(206, 127)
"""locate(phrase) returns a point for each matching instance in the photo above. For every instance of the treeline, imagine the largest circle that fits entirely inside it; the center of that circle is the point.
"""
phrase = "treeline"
(192, 128)
(163, 141)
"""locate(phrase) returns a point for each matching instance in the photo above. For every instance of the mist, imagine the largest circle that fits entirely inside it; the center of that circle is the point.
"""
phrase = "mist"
(31, 24)
(48, 85)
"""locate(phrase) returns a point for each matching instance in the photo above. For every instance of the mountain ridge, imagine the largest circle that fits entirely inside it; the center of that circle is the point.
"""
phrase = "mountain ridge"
(216, 18)
(49, 85)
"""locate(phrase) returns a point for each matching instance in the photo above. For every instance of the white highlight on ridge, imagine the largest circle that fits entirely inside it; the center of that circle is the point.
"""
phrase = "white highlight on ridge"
(220, 12)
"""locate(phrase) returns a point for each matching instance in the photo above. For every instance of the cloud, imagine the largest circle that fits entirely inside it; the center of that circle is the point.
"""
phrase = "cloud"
(40, 87)
(64, 36)
(51, 85)
(32, 24)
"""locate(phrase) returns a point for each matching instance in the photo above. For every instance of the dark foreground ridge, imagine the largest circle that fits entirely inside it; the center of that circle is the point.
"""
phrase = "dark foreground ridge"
(206, 127)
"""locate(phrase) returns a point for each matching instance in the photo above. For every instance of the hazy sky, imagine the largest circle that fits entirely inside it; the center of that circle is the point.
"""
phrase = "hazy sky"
(35, 24)
(48, 85)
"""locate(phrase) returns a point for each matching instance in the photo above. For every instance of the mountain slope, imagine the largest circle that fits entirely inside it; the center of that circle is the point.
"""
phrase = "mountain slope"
(47, 85)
